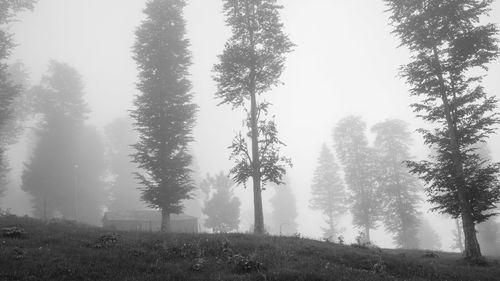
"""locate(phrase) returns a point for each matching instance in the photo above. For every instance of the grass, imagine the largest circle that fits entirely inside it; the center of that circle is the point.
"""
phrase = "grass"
(62, 250)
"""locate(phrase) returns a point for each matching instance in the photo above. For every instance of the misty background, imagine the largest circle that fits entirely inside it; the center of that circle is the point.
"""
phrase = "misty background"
(345, 62)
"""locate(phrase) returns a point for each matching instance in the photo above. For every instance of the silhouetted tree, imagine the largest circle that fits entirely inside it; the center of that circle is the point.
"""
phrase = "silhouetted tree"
(9, 90)
(448, 43)
(222, 208)
(164, 113)
(428, 238)
(64, 174)
(284, 215)
(124, 191)
(360, 171)
(398, 187)
(328, 192)
(251, 64)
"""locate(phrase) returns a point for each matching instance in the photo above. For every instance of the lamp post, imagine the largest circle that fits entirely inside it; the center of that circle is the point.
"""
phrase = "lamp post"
(75, 187)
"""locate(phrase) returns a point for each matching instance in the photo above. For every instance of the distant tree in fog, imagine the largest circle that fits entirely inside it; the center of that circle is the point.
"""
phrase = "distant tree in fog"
(222, 208)
(488, 234)
(9, 89)
(250, 65)
(399, 189)
(448, 44)
(284, 214)
(64, 174)
(458, 237)
(164, 113)
(124, 192)
(328, 192)
(360, 170)
(428, 238)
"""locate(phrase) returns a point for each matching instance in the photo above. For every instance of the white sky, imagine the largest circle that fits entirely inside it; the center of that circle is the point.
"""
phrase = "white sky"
(346, 62)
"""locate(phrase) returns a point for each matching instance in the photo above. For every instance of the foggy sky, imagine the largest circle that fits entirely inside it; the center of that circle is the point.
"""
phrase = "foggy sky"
(345, 62)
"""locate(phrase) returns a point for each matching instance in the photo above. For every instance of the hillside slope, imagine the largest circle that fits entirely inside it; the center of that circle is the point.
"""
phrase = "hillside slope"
(61, 250)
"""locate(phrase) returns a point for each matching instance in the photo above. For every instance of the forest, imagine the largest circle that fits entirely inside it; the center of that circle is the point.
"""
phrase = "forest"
(374, 123)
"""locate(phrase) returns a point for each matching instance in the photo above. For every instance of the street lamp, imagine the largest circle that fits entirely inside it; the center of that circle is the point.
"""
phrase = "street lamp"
(75, 187)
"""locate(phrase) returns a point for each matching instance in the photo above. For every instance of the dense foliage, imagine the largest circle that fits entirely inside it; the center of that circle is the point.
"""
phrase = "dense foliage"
(164, 114)
(449, 44)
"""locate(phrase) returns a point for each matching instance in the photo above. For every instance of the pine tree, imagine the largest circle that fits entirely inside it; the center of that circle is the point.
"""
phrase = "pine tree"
(398, 187)
(428, 238)
(164, 113)
(448, 43)
(222, 208)
(9, 90)
(284, 215)
(251, 64)
(360, 169)
(328, 192)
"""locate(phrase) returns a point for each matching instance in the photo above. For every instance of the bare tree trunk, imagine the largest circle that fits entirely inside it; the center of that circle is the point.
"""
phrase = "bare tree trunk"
(367, 234)
(165, 221)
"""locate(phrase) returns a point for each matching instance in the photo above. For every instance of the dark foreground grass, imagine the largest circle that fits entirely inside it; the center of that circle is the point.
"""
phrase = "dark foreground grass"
(66, 251)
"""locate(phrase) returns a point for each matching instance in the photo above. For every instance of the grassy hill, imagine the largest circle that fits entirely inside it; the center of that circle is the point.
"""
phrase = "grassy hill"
(61, 250)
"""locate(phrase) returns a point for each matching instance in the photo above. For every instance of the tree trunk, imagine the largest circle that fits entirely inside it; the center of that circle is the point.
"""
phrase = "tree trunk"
(256, 175)
(165, 221)
(472, 249)
(367, 234)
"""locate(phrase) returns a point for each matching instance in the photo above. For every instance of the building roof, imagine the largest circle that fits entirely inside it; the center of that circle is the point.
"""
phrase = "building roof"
(144, 215)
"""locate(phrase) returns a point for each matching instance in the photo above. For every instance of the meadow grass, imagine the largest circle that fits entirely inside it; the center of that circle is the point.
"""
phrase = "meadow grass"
(63, 250)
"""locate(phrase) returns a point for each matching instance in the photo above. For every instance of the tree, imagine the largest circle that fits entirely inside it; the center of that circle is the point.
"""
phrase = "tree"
(398, 187)
(284, 215)
(428, 238)
(360, 171)
(65, 173)
(458, 240)
(448, 43)
(328, 192)
(222, 208)
(251, 64)
(125, 194)
(164, 114)
(9, 90)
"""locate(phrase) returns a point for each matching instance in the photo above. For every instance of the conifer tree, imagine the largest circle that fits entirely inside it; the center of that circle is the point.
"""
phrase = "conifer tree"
(164, 113)
(398, 187)
(449, 44)
(284, 215)
(328, 192)
(360, 172)
(222, 208)
(250, 65)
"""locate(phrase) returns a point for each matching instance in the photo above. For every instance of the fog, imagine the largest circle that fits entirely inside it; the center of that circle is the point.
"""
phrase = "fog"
(346, 62)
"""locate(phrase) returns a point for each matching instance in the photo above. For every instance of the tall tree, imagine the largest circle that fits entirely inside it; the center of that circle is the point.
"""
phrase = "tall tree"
(164, 113)
(448, 43)
(360, 171)
(124, 191)
(222, 208)
(251, 64)
(328, 192)
(64, 174)
(9, 90)
(398, 187)
(284, 215)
